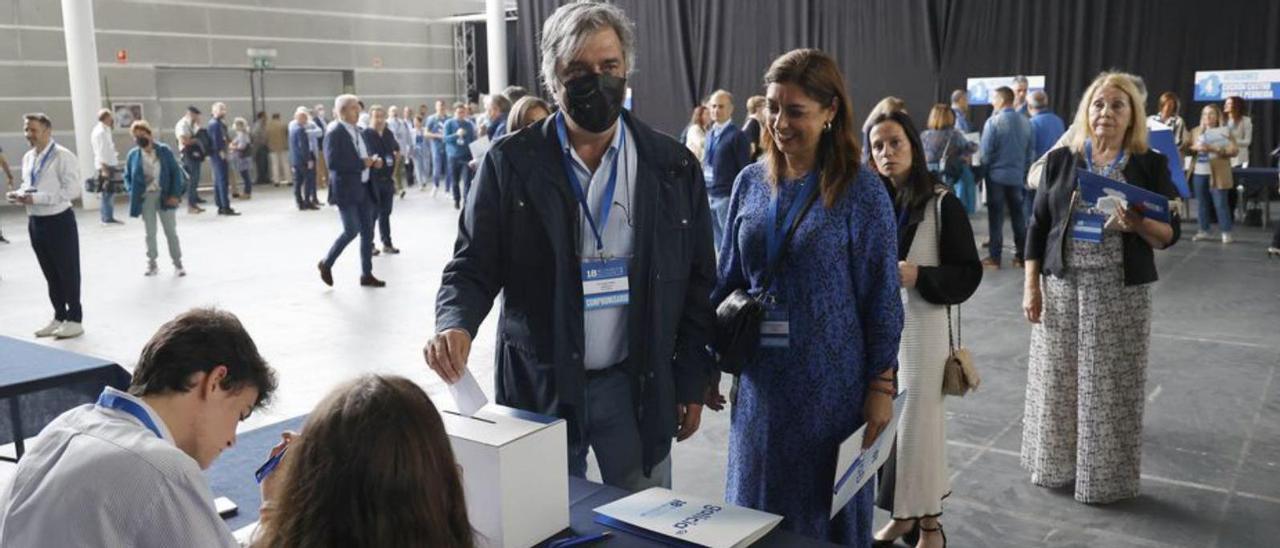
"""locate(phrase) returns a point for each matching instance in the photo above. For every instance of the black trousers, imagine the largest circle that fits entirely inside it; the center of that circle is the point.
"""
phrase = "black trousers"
(386, 191)
(56, 242)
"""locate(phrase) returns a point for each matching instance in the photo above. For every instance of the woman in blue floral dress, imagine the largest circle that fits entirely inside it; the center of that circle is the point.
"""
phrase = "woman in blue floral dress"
(837, 286)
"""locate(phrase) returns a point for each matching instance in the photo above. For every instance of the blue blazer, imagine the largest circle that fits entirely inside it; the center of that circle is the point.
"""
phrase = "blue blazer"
(299, 147)
(732, 153)
(172, 178)
(345, 167)
(382, 146)
(218, 136)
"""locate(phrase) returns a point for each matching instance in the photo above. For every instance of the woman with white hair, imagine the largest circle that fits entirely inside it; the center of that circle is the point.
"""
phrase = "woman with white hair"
(242, 155)
(1088, 295)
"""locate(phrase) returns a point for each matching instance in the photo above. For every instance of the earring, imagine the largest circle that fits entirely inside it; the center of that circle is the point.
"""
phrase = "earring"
(827, 126)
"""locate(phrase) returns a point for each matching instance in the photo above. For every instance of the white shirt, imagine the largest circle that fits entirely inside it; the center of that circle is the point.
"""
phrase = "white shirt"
(98, 477)
(104, 147)
(151, 170)
(58, 182)
(185, 128)
(605, 329)
(357, 138)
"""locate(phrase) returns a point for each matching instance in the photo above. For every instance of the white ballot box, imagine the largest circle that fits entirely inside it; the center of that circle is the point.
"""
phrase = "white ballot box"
(514, 473)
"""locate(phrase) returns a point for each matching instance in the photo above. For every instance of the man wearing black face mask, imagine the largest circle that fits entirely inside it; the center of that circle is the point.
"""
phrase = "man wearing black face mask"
(597, 231)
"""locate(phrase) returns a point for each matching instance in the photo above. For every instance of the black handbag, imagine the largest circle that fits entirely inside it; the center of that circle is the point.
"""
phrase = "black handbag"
(739, 315)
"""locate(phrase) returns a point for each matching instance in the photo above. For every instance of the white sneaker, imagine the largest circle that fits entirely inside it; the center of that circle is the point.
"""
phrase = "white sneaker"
(152, 269)
(177, 269)
(50, 329)
(1201, 237)
(69, 330)
(1226, 238)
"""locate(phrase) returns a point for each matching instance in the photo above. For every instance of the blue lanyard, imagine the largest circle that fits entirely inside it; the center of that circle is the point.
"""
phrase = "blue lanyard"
(44, 159)
(1107, 171)
(112, 401)
(777, 231)
(606, 201)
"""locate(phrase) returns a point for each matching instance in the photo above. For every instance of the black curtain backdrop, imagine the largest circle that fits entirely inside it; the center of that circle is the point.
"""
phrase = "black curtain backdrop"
(920, 50)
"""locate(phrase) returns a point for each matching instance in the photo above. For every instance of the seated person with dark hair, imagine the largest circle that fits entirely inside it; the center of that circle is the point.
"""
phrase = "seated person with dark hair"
(397, 485)
(127, 470)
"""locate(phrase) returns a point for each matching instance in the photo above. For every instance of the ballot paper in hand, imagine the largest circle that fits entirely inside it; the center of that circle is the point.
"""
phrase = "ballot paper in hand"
(467, 394)
(479, 147)
(854, 466)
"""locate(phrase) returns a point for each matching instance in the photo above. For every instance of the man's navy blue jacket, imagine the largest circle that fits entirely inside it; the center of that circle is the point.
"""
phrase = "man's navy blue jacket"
(382, 146)
(299, 147)
(732, 153)
(520, 234)
(345, 168)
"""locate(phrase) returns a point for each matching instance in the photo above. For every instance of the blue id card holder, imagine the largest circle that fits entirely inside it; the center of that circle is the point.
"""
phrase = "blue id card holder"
(605, 284)
(1087, 227)
(775, 330)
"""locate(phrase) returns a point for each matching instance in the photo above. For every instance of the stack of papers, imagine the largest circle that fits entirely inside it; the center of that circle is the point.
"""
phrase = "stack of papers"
(674, 519)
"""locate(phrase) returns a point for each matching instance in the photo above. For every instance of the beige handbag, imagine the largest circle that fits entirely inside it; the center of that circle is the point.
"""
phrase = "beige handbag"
(959, 375)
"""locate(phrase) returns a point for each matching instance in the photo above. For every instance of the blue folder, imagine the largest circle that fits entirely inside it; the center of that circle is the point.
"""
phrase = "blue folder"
(1093, 186)
(1162, 141)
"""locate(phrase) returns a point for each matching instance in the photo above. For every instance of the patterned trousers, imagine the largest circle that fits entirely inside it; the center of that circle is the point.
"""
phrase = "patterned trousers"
(1085, 385)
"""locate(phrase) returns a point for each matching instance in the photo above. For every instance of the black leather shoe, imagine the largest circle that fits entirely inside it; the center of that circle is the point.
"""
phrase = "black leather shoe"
(326, 274)
(370, 281)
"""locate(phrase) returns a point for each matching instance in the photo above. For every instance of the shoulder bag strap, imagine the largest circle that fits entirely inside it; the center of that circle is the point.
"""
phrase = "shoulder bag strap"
(952, 338)
(772, 269)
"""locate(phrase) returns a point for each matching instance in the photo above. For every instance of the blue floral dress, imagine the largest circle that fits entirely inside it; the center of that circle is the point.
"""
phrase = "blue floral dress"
(839, 284)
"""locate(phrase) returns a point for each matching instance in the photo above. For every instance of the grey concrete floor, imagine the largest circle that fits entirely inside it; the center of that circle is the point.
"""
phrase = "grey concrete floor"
(1211, 468)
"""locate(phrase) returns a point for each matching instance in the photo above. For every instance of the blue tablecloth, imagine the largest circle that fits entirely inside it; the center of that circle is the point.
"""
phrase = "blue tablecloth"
(231, 476)
(40, 383)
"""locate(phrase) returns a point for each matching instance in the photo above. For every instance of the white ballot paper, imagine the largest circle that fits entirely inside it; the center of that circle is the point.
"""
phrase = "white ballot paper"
(467, 394)
(854, 467)
(679, 520)
(479, 147)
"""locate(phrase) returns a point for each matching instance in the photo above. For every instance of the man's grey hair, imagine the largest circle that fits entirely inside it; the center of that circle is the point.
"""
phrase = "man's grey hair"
(301, 110)
(344, 100)
(1038, 99)
(957, 95)
(1020, 79)
(564, 33)
(501, 102)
